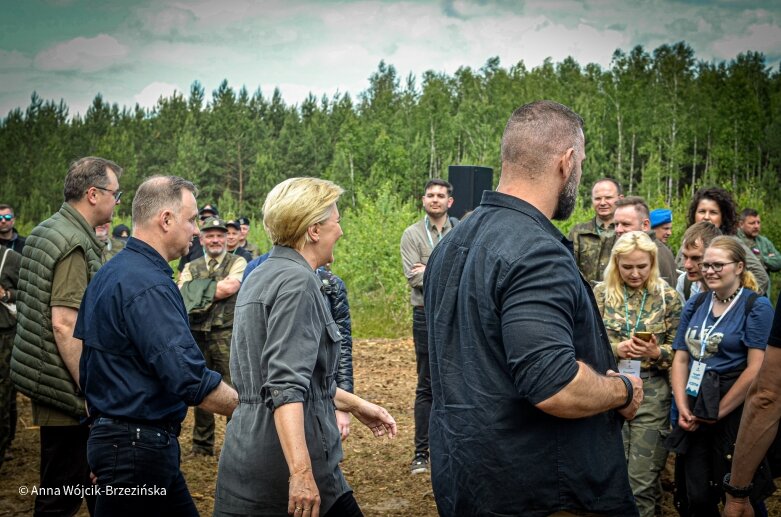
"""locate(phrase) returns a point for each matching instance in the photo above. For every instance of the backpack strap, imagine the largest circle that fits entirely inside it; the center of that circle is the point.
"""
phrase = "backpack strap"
(687, 288)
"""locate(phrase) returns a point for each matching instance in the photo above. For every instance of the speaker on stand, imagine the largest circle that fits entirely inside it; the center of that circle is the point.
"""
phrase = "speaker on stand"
(469, 182)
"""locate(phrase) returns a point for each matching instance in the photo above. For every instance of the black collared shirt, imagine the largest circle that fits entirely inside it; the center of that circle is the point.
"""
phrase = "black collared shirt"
(140, 361)
(508, 317)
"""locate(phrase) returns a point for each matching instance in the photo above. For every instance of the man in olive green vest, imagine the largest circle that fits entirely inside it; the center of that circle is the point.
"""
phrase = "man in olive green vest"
(60, 257)
(593, 240)
(209, 286)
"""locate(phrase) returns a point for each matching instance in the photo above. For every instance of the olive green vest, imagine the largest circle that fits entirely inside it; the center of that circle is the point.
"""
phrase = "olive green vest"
(220, 315)
(37, 369)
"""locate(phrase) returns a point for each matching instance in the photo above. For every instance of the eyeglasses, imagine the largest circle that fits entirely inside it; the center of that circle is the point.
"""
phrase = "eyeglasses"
(716, 266)
(116, 193)
(6, 217)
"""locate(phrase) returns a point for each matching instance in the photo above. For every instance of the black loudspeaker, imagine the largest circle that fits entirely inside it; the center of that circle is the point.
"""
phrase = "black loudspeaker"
(469, 182)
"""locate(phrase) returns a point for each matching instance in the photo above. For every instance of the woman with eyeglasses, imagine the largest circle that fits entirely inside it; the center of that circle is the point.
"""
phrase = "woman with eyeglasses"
(641, 314)
(719, 348)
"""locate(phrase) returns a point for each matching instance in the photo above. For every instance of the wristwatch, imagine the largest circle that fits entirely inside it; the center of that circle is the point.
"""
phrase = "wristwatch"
(739, 492)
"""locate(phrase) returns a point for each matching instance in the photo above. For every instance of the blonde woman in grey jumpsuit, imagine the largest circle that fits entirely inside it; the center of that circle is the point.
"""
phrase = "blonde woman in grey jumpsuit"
(282, 447)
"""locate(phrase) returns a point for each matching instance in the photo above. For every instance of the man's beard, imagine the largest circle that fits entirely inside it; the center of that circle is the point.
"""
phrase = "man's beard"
(567, 198)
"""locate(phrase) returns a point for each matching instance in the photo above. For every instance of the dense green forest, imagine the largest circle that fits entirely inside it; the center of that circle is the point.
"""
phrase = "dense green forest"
(661, 122)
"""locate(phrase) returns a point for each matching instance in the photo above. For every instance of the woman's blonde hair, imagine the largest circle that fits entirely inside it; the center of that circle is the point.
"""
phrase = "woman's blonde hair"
(627, 243)
(296, 204)
(737, 253)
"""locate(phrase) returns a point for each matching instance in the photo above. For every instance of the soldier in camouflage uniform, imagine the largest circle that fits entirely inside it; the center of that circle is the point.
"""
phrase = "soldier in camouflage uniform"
(113, 245)
(9, 276)
(634, 299)
(215, 278)
(593, 240)
(243, 242)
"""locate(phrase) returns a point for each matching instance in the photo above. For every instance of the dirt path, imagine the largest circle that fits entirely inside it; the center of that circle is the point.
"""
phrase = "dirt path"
(376, 469)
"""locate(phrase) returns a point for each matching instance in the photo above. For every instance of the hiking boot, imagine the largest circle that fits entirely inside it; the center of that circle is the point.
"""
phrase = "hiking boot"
(419, 464)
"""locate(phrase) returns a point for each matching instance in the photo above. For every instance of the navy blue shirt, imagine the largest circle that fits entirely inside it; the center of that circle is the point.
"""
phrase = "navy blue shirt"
(140, 361)
(509, 315)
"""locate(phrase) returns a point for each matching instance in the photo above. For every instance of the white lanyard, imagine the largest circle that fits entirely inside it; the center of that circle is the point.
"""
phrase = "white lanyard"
(703, 335)
(428, 233)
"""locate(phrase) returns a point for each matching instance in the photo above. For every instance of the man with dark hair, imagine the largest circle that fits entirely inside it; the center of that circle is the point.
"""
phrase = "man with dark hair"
(209, 286)
(695, 240)
(9, 237)
(59, 259)
(528, 409)
(141, 367)
(749, 227)
(416, 244)
(594, 239)
(631, 215)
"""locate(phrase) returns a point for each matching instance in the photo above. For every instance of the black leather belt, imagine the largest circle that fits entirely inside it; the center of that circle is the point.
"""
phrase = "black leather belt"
(169, 427)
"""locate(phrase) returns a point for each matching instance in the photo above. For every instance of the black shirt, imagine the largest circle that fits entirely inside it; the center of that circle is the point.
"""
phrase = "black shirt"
(775, 331)
(140, 361)
(508, 315)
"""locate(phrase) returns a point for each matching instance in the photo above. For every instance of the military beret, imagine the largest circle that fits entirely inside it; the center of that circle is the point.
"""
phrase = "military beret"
(661, 216)
(214, 223)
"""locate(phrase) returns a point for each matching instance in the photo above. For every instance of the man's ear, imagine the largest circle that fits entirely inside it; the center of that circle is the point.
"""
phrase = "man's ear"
(566, 163)
(166, 220)
(645, 225)
(449, 202)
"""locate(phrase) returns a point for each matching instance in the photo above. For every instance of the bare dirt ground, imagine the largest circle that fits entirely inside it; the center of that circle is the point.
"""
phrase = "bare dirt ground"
(377, 469)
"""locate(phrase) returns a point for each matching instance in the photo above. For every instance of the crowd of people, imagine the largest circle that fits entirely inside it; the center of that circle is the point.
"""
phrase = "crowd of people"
(554, 375)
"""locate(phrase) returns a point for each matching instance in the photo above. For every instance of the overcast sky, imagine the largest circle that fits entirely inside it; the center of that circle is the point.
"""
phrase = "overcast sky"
(133, 51)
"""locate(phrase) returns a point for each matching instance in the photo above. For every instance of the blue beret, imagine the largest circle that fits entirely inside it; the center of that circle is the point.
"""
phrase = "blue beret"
(661, 216)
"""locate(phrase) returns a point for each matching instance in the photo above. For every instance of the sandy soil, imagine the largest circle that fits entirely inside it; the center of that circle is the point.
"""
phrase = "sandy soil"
(376, 469)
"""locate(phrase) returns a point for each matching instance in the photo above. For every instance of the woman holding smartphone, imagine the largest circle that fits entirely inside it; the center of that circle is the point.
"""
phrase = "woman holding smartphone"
(641, 314)
(719, 348)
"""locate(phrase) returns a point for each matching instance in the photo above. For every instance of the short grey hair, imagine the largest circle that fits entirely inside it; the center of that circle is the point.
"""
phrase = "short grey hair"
(158, 193)
(90, 171)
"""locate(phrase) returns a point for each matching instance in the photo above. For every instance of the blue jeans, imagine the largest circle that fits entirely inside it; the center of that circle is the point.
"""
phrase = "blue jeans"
(137, 470)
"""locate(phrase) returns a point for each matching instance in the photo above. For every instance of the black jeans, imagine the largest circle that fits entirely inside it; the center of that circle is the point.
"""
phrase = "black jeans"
(63, 464)
(345, 506)
(423, 390)
(138, 473)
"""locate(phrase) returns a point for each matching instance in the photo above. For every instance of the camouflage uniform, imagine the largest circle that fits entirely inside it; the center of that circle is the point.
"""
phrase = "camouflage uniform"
(592, 246)
(644, 435)
(113, 246)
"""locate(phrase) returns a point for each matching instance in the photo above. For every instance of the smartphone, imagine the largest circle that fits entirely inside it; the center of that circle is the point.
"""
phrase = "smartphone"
(645, 336)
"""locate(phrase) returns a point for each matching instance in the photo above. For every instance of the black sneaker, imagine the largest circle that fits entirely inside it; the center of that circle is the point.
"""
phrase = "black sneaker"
(419, 464)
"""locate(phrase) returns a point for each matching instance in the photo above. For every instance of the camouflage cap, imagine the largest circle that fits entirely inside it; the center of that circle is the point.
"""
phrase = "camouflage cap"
(214, 223)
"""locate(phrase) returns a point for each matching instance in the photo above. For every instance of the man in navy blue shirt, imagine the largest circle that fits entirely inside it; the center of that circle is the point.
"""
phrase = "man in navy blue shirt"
(527, 410)
(140, 367)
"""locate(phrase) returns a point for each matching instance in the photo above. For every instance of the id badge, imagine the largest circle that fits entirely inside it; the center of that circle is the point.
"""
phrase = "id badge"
(629, 367)
(695, 378)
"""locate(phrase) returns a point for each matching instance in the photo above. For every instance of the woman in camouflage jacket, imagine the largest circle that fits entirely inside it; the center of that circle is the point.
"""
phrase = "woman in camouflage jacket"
(641, 314)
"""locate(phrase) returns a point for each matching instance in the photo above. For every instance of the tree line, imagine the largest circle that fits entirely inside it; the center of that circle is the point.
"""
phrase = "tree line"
(661, 122)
